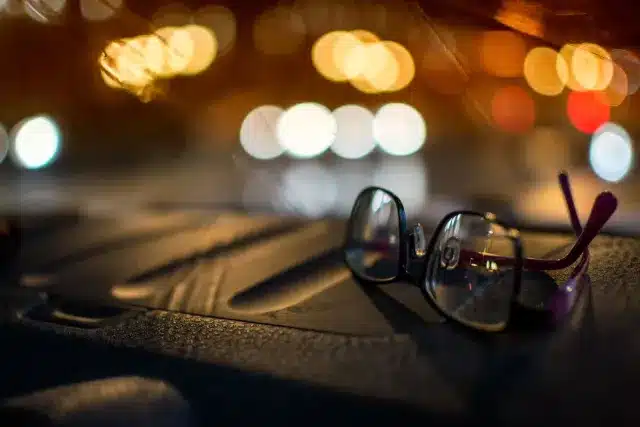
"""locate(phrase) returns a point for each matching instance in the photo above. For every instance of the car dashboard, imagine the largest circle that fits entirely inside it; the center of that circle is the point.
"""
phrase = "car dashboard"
(235, 317)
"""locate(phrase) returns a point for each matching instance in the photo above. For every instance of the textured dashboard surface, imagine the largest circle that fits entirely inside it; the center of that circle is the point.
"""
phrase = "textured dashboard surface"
(332, 349)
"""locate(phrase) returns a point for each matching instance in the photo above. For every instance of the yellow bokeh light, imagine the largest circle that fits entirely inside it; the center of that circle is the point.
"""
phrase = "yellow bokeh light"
(155, 54)
(630, 63)
(348, 52)
(376, 65)
(355, 59)
(502, 53)
(205, 48)
(618, 90)
(131, 66)
(565, 59)
(370, 65)
(107, 64)
(323, 58)
(546, 71)
(382, 67)
(110, 80)
(122, 65)
(405, 65)
(179, 50)
(591, 66)
(364, 85)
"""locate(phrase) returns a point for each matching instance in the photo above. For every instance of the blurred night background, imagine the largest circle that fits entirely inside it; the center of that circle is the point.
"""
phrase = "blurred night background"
(295, 106)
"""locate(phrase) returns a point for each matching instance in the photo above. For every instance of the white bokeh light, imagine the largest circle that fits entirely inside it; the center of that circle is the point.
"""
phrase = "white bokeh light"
(306, 130)
(354, 137)
(258, 133)
(36, 142)
(611, 152)
(399, 129)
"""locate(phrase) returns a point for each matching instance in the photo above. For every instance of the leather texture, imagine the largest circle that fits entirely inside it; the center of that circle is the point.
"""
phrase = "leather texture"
(409, 361)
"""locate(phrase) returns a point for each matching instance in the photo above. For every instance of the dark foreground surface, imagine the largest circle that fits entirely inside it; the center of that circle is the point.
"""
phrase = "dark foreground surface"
(254, 319)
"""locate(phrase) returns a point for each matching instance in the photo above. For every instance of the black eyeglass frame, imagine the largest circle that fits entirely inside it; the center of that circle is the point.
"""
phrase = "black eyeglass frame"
(519, 314)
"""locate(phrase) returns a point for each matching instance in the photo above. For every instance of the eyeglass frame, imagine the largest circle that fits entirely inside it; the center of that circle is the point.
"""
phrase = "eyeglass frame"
(563, 299)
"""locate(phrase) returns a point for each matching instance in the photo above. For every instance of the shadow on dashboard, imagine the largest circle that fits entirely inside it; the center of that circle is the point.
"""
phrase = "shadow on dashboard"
(484, 370)
(216, 394)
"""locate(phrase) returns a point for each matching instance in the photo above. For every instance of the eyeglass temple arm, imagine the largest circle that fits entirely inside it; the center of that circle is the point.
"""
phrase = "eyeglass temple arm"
(594, 225)
(565, 185)
(603, 207)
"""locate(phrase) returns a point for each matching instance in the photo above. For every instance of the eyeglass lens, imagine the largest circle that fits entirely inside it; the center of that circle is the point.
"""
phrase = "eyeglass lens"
(463, 281)
(373, 245)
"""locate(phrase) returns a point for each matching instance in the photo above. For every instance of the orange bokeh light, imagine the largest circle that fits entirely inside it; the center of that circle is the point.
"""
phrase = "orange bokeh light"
(513, 110)
(503, 53)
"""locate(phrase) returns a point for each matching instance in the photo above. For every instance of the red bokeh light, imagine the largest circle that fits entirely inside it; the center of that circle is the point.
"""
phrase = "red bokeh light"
(513, 110)
(587, 111)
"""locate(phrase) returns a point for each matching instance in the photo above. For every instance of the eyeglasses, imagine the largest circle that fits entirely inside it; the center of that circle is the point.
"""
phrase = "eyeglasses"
(472, 267)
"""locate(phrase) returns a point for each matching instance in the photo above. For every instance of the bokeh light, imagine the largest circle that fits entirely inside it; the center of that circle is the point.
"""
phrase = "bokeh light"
(159, 47)
(205, 49)
(306, 130)
(630, 63)
(154, 53)
(131, 65)
(258, 133)
(565, 59)
(546, 71)
(399, 129)
(611, 152)
(406, 68)
(587, 111)
(279, 31)
(371, 67)
(513, 110)
(180, 48)
(616, 92)
(591, 66)
(323, 56)
(44, 11)
(354, 137)
(503, 53)
(122, 65)
(358, 56)
(36, 142)
(99, 10)
(222, 22)
(349, 54)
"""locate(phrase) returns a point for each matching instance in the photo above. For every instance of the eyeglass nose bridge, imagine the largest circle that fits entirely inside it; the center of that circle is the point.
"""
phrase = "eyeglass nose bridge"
(450, 254)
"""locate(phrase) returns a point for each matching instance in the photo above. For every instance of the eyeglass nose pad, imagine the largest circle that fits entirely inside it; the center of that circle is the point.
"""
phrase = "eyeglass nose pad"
(450, 255)
(418, 242)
